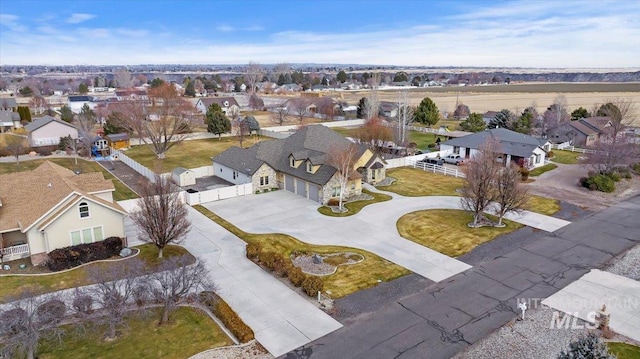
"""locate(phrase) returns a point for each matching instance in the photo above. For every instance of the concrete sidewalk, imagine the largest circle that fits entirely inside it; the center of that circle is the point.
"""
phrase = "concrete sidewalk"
(281, 319)
(621, 295)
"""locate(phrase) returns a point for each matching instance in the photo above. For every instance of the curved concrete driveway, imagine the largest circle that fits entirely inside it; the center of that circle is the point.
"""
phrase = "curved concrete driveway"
(373, 229)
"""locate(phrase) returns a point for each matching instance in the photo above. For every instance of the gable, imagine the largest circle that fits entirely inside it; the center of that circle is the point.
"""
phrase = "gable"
(71, 209)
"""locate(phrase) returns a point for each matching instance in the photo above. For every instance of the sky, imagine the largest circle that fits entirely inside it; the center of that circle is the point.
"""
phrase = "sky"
(533, 34)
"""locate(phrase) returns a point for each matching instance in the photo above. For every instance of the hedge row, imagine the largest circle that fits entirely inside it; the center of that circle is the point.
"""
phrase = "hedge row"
(283, 267)
(605, 182)
(69, 257)
(229, 318)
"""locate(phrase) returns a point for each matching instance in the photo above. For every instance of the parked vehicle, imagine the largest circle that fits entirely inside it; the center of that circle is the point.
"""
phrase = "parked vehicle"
(432, 161)
(454, 159)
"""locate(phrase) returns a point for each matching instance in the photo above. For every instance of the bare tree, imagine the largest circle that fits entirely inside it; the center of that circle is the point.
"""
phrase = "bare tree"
(123, 78)
(405, 116)
(280, 115)
(255, 102)
(556, 114)
(240, 130)
(38, 104)
(299, 106)
(177, 282)
(614, 147)
(161, 124)
(343, 159)
(16, 144)
(372, 105)
(113, 292)
(374, 134)
(253, 75)
(161, 215)
(29, 320)
(86, 123)
(478, 190)
(510, 194)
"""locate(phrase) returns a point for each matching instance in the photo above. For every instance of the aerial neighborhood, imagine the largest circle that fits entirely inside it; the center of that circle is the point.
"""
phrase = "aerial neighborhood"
(312, 209)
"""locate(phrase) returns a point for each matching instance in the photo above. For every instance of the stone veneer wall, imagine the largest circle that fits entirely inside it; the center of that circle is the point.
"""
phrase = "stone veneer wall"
(327, 190)
(264, 170)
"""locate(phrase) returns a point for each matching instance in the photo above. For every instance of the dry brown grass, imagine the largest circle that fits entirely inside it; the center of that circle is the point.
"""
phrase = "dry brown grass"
(514, 97)
(265, 119)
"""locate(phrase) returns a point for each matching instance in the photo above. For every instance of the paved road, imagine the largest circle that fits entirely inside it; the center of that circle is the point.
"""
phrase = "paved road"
(281, 319)
(447, 317)
(373, 229)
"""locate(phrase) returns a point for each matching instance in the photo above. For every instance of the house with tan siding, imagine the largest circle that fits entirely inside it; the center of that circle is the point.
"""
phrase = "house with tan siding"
(47, 130)
(51, 207)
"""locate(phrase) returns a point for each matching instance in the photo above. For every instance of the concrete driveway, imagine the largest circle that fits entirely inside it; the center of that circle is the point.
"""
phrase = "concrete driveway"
(281, 319)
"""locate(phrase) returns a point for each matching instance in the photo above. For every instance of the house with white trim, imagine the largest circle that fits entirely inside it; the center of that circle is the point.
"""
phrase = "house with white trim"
(227, 104)
(52, 207)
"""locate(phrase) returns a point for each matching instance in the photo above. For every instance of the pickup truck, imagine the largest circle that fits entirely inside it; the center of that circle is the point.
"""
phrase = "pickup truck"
(432, 161)
(454, 159)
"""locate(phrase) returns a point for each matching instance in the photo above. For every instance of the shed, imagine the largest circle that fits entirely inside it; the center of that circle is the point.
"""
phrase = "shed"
(119, 140)
(183, 177)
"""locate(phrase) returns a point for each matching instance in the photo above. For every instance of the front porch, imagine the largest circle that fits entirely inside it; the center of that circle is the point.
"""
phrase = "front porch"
(15, 252)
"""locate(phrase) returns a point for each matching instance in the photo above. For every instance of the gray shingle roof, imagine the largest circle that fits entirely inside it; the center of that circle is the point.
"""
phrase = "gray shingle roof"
(9, 116)
(8, 102)
(179, 170)
(118, 136)
(511, 143)
(311, 142)
(41, 121)
(208, 101)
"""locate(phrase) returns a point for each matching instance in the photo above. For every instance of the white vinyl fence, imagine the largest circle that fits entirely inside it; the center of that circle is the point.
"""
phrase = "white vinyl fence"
(410, 160)
(218, 194)
(571, 148)
(204, 171)
(439, 169)
(135, 165)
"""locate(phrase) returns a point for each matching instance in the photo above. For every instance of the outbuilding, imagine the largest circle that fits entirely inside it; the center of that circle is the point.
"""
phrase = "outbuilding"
(183, 177)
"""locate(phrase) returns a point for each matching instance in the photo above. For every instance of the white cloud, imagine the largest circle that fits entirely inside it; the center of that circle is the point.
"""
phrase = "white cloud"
(254, 28)
(77, 18)
(11, 22)
(225, 28)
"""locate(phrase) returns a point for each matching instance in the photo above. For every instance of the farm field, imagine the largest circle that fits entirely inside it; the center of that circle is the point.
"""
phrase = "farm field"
(514, 97)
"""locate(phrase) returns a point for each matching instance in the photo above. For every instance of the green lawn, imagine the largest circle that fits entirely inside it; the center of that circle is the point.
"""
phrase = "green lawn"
(542, 169)
(624, 351)
(188, 154)
(414, 182)
(422, 139)
(355, 207)
(446, 230)
(347, 279)
(12, 285)
(122, 192)
(189, 332)
(566, 157)
(543, 205)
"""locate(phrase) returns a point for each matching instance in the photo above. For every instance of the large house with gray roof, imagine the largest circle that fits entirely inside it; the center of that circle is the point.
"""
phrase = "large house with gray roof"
(47, 130)
(583, 132)
(299, 164)
(515, 147)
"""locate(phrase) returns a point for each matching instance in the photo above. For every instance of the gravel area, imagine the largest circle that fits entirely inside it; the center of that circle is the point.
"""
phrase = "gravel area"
(528, 339)
(309, 265)
(627, 264)
(252, 350)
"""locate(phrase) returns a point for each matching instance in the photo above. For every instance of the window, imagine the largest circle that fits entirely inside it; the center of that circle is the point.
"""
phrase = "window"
(538, 158)
(335, 191)
(86, 235)
(235, 174)
(373, 174)
(84, 210)
(309, 167)
(456, 150)
(292, 161)
(264, 180)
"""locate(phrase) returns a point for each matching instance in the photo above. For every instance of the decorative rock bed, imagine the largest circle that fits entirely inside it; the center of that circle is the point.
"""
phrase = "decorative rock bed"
(361, 197)
(326, 264)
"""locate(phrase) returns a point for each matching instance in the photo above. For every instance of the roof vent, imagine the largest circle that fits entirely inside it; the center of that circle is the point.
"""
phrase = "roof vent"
(50, 185)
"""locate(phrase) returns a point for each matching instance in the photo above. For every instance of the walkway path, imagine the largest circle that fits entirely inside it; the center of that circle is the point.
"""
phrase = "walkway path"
(373, 229)
(621, 295)
(281, 319)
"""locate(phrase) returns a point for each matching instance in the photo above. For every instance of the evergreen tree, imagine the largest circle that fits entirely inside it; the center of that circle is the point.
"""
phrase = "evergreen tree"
(157, 82)
(589, 347)
(474, 123)
(362, 108)
(190, 90)
(25, 114)
(427, 112)
(341, 76)
(217, 121)
(66, 114)
(579, 113)
(83, 88)
(503, 119)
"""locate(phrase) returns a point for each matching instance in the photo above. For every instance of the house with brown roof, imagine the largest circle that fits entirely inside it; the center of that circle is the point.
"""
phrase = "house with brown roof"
(584, 132)
(52, 207)
(227, 104)
(299, 164)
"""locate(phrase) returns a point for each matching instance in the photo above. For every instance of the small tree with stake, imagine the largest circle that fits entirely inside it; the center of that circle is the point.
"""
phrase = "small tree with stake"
(343, 158)
(478, 191)
(161, 216)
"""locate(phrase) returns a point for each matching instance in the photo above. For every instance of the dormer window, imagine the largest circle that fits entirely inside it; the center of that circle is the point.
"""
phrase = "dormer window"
(309, 167)
(292, 162)
(83, 208)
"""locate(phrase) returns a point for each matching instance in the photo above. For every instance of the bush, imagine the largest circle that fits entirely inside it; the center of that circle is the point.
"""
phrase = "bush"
(296, 276)
(550, 154)
(588, 347)
(312, 285)
(229, 318)
(334, 202)
(282, 266)
(69, 257)
(524, 172)
(253, 250)
(635, 167)
(51, 312)
(599, 182)
(83, 304)
(45, 151)
(268, 259)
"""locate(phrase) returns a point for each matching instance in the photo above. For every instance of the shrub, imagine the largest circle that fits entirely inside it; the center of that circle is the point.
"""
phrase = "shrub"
(83, 304)
(69, 257)
(525, 173)
(635, 167)
(44, 151)
(587, 347)
(51, 312)
(333, 202)
(296, 276)
(268, 259)
(615, 176)
(253, 250)
(599, 182)
(229, 318)
(550, 154)
(312, 285)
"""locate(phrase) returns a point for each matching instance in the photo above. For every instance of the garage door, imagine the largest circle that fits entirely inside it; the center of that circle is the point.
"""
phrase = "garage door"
(314, 193)
(288, 183)
(301, 189)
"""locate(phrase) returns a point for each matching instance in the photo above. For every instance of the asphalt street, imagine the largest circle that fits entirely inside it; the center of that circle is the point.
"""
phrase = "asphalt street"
(442, 319)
